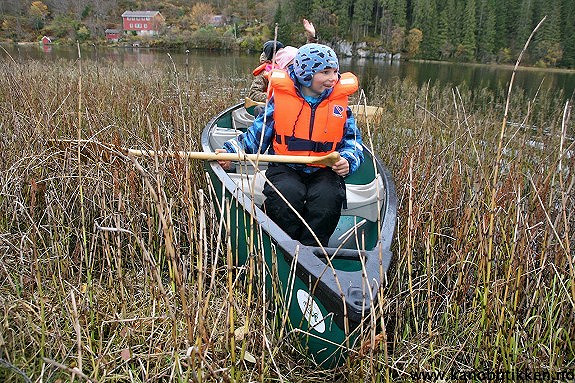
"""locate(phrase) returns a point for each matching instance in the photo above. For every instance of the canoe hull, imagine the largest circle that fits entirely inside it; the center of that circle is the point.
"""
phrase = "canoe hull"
(327, 301)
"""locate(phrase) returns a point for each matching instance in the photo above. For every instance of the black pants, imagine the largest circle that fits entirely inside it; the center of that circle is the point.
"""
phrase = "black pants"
(317, 197)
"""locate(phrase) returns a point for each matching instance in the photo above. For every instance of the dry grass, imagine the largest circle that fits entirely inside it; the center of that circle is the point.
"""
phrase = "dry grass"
(114, 270)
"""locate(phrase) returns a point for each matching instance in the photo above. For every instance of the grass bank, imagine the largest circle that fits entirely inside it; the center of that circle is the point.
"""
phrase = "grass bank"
(113, 270)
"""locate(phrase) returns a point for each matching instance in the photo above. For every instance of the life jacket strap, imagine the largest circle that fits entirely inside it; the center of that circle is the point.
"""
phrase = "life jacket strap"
(301, 144)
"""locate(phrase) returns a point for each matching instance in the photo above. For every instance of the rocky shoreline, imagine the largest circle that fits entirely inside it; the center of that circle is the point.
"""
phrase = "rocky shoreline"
(362, 50)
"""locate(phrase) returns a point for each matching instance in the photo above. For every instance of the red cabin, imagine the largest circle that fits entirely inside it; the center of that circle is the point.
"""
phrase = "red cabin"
(144, 23)
(46, 40)
(113, 34)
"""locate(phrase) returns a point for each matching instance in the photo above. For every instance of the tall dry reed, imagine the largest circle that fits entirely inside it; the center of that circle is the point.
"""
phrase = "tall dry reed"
(140, 286)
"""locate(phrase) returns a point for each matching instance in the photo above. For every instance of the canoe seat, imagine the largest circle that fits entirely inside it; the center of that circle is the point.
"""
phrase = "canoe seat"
(242, 119)
(221, 135)
(362, 200)
(362, 195)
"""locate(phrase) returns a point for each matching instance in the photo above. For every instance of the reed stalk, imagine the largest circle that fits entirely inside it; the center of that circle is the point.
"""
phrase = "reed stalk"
(160, 247)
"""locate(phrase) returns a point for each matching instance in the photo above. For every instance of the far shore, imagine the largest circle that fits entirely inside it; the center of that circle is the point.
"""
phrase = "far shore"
(504, 66)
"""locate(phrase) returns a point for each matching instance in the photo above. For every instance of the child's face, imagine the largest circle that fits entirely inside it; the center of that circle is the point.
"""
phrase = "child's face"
(323, 80)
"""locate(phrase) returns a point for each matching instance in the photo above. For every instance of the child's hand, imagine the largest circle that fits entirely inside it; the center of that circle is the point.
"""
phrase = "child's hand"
(341, 167)
(226, 165)
(309, 28)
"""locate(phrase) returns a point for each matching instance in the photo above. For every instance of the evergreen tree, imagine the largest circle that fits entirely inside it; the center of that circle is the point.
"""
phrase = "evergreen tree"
(386, 22)
(524, 24)
(454, 13)
(469, 44)
(393, 19)
(503, 16)
(284, 27)
(325, 19)
(568, 33)
(486, 31)
(361, 20)
(424, 19)
(344, 14)
(547, 41)
(445, 46)
(298, 10)
(395, 11)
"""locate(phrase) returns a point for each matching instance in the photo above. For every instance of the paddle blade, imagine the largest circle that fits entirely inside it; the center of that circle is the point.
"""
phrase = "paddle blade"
(329, 160)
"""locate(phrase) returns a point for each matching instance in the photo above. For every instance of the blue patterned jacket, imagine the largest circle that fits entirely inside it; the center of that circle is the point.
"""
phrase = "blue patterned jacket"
(349, 148)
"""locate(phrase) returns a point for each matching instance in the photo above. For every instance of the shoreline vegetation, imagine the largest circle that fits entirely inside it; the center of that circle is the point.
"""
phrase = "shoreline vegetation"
(114, 268)
(255, 52)
(505, 66)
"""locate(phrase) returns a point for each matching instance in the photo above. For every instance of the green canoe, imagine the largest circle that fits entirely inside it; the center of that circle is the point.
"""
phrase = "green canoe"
(325, 296)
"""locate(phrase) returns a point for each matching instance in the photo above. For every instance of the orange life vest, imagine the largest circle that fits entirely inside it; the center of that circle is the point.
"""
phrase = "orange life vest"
(262, 68)
(301, 130)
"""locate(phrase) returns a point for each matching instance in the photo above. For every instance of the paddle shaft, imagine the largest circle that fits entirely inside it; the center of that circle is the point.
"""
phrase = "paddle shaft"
(327, 160)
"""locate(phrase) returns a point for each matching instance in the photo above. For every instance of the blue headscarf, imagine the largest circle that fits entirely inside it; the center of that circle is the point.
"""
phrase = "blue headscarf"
(313, 58)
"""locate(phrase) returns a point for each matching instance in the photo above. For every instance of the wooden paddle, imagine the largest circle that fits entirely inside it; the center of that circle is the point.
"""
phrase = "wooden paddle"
(248, 102)
(327, 160)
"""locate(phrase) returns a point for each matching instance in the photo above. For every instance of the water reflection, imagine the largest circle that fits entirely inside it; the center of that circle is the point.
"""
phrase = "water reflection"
(235, 65)
(471, 76)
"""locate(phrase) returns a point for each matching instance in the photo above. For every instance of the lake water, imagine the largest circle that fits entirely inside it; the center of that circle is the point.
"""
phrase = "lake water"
(238, 65)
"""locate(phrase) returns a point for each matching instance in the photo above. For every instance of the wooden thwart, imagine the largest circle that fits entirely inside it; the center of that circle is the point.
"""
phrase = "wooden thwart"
(364, 113)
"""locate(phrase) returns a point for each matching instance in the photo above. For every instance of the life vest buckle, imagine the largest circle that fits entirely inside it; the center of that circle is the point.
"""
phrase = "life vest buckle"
(322, 146)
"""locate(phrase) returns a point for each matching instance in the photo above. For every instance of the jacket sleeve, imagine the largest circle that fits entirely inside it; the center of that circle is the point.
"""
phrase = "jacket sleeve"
(258, 89)
(249, 141)
(351, 145)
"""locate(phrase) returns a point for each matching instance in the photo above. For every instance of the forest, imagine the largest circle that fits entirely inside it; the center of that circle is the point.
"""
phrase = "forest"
(484, 31)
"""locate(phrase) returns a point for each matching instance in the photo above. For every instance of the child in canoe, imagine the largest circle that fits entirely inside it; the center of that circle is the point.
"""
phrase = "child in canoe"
(258, 90)
(307, 115)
